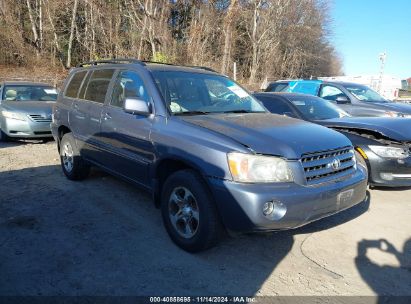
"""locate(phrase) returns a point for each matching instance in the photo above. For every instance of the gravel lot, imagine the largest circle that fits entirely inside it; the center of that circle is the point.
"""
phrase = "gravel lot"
(104, 237)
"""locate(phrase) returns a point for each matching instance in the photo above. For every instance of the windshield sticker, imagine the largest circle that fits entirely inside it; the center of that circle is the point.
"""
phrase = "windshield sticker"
(238, 91)
(50, 91)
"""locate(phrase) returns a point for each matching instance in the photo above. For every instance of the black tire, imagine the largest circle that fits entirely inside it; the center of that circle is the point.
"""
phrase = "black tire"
(208, 228)
(3, 136)
(79, 168)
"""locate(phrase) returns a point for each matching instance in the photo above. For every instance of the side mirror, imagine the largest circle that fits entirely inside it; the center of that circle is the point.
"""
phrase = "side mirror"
(136, 106)
(342, 99)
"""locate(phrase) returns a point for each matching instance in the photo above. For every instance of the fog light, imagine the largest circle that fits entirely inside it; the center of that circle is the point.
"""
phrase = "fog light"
(268, 208)
(274, 210)
(386, 176)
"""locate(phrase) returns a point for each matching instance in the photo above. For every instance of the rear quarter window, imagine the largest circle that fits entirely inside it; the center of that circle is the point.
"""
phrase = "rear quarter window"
(74, 84)
(277, 87)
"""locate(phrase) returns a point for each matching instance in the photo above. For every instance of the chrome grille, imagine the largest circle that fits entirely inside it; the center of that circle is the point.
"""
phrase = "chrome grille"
(39, 118)
(328, 165)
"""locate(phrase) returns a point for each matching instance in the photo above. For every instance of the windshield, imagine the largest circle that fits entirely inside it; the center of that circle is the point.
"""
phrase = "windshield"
(364, 93)
(196, 93)
(314, 108)
(29, 93)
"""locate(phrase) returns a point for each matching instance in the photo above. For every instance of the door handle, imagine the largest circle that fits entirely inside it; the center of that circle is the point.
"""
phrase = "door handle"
(75, 106)
(107, 116)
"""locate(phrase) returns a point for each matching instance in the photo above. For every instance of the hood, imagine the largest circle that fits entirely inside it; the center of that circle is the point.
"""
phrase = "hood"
(43, 108)
(393, 106)
(272, 134)
(398, 129)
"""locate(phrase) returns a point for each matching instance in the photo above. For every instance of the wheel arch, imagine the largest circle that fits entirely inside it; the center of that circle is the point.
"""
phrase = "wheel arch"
(167, 166)
(61, 131)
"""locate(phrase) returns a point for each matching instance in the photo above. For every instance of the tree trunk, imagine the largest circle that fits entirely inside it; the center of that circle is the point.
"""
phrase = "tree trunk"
(53, 28)
(254, 44)
(73, 24)
(228, 33)
(33, 28)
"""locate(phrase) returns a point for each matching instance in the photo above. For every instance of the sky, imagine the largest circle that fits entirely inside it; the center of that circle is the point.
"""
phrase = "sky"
(365, 28)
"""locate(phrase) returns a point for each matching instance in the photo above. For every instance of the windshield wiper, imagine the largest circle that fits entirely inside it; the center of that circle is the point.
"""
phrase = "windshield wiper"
(191, 113)
(242, 111)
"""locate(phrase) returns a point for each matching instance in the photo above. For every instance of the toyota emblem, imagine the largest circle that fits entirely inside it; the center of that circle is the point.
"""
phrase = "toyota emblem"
(335, 164)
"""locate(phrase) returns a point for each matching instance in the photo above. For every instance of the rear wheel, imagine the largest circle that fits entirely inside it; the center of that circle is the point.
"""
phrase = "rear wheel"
(73, 165)
(189, 213)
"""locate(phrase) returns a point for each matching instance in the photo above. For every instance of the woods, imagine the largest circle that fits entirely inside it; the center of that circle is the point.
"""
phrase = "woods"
(266, 38)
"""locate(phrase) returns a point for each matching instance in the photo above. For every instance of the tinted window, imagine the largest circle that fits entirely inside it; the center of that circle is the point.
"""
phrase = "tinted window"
(128, 85)
(29, 93)
(98, 84)
(277, 87)
(84, 86)
(329, 92)
(314, 108)
(74, 85)
(275, 105)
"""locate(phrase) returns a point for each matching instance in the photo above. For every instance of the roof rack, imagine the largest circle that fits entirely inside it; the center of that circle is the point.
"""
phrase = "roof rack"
(157, 62)
(188, 66)
(202, 68)
(135, 61)
(111, 61)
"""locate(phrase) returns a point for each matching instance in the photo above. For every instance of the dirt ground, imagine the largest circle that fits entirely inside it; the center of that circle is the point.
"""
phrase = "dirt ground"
(103, 236)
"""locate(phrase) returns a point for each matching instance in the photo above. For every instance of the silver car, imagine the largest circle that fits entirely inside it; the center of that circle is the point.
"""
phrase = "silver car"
(25, 109)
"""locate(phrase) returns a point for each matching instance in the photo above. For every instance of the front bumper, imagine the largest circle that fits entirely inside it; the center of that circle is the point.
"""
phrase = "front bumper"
(25, 129)
(386, 172)
(241, 205)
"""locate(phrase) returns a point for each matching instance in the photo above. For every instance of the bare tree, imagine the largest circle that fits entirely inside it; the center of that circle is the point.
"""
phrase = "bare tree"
(267, 38)
(70, 42)
(36, 41)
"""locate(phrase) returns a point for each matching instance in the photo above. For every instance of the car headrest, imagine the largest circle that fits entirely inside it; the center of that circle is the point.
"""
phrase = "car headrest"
(11, 94)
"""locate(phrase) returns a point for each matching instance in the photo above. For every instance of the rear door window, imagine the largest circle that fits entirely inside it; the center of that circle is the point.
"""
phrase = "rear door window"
(74, 85)
(97, 85)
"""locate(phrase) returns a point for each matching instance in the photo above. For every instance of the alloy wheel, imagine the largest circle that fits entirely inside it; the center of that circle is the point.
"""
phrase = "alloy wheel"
(183, 212)
(68, 157)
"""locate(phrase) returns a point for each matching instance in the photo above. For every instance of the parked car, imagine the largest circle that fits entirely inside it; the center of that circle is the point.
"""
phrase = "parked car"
(25, 109)
(211, 155)
(355, 99)
(384, 143)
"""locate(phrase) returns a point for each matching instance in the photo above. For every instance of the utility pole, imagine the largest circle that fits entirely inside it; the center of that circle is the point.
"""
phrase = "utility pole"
(382, 57)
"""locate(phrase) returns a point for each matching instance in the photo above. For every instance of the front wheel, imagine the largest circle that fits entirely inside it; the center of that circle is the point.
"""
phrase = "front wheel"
(189, 213)
(73, 165)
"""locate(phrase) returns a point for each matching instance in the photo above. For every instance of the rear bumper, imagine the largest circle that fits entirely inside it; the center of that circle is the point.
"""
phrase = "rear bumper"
(25, 129)
(386, 172)
(241, 205)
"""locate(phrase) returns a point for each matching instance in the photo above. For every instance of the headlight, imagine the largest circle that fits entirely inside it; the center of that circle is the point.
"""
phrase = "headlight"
(249, 168)
(360, 158)
(389, 152)
(13, 115)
